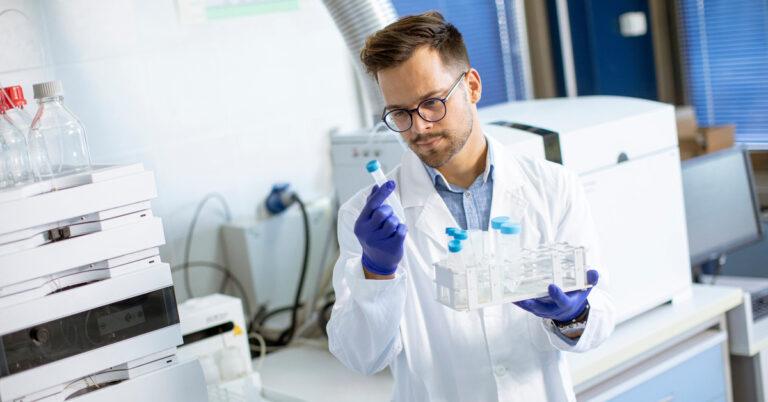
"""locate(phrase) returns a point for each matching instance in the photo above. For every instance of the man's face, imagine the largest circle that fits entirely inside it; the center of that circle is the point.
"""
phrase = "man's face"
(421, 77)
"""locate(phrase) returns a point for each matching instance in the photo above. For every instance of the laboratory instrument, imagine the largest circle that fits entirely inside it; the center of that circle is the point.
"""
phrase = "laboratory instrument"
(64, 135)
(92, 316)
(261, 253)
(215, 332)
(625, 152)
(719, 221)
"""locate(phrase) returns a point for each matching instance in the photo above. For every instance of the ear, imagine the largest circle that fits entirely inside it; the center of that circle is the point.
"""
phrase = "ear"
(474, 85)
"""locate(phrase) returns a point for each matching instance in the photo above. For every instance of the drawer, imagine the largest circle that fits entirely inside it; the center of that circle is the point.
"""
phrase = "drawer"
(691, 370)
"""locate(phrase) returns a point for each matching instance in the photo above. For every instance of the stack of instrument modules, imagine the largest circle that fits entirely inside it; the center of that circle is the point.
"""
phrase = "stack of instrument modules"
(88, 309)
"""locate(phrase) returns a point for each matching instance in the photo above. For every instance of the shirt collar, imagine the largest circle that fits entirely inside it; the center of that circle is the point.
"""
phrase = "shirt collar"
(439, 180)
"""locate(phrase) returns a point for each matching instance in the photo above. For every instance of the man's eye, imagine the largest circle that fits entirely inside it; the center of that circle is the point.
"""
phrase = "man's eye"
(430, 103)
(399, 114)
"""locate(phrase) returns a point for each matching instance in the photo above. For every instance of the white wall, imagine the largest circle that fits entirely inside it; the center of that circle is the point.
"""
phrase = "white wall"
(228, 105)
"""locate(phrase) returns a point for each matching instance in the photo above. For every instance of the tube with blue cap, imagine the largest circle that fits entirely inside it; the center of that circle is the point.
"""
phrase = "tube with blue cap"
(374, 168)
(508, 255)
(496, 234)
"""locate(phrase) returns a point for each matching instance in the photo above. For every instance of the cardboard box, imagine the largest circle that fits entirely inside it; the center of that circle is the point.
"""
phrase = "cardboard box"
(689, 148)
(687, 128)
(706, 140)
(717, 137)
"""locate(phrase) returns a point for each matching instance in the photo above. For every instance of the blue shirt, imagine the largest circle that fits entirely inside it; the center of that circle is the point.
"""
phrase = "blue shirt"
(470, 207)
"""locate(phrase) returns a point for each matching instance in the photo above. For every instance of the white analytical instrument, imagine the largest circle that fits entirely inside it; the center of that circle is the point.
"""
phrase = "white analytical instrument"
(215, 332)
(89, 311)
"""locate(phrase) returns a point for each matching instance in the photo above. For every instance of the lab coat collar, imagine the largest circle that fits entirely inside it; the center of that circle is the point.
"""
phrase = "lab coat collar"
(418, 189)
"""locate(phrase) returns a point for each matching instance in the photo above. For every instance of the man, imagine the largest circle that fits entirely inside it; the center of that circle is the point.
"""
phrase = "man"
(385, 312)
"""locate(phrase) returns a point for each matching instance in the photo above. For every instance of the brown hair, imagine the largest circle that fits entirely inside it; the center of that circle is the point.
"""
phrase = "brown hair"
(395, 43)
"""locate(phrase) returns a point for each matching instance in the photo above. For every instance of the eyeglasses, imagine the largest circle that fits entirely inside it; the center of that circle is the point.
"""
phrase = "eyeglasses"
(431, 110)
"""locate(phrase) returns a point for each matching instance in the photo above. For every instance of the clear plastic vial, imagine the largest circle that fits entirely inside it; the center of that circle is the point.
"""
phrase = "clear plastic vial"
(495, 234)
(64, 135)
(509, 253)
(458, 295)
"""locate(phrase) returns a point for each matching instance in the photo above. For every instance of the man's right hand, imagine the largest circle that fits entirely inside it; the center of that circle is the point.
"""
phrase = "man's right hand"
(380, 233)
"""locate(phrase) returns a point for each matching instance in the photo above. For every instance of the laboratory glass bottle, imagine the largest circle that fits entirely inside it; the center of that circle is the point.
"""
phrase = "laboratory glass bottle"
(15, 169)
(22, 120)
(63, 133)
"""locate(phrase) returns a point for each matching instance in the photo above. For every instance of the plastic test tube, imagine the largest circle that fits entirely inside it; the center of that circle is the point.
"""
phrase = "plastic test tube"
(374, 168)
(470, 253)
(495, 226)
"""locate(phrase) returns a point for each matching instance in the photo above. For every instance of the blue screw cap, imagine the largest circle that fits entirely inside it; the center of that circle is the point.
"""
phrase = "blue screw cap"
(461, 235)
(510, 228)
(451, 231)
(454, 246)
(372, 166)
(498, 221)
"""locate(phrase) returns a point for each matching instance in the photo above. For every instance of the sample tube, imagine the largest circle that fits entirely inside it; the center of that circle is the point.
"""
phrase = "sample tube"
(455, 262)
(495, 226)
(470, 256)
(374, 168)
(509, 255)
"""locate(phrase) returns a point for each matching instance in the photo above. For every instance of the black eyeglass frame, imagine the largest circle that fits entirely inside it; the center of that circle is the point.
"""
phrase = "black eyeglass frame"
(410, 112)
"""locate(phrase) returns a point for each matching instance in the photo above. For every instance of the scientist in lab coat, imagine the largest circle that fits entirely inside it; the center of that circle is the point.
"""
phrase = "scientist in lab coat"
(454, 175)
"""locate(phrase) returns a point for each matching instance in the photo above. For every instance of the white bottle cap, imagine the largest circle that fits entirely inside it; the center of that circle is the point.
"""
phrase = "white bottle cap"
(48, 89)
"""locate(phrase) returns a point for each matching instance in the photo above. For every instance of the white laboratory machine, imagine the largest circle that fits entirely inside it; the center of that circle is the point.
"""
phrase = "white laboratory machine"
(215, 332)
(265, 255)
(89, 312)
(625, 152)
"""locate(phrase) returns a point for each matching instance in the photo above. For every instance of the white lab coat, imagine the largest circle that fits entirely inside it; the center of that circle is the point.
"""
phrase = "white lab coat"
(499, 353)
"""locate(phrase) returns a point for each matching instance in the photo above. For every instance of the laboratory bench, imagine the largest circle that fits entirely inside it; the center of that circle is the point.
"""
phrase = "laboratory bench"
(676, 350)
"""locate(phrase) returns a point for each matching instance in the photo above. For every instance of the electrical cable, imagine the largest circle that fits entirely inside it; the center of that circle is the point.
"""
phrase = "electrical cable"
(287, 335)
(190, 233)
(325, 316)
(262, 348)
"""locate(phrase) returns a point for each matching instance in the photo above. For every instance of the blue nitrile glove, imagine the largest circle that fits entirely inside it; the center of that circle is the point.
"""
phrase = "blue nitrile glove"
(380, 233)
(560, 306)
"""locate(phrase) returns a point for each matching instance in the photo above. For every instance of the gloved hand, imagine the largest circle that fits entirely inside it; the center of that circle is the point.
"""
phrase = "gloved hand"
(380, 233)
(560, 306)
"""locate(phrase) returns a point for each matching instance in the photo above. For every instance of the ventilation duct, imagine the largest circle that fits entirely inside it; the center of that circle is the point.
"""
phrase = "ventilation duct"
(357, 20)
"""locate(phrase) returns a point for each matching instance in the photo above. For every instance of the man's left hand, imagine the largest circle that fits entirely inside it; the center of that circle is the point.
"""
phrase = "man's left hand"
(560, 306)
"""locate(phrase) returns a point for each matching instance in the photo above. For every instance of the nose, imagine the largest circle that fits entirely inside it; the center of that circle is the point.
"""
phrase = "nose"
(420, 125)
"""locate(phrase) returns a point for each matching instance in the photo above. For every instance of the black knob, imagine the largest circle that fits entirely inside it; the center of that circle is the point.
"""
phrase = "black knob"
(39, 335)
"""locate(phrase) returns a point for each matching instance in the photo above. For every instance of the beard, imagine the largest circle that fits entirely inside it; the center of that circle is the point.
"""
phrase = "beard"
(453, 142)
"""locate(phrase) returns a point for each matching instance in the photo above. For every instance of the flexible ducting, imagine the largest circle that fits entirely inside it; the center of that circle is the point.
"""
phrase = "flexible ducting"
(357, 20)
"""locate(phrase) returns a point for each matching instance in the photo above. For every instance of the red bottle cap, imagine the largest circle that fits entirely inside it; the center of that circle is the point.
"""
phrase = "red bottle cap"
(16, 94)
